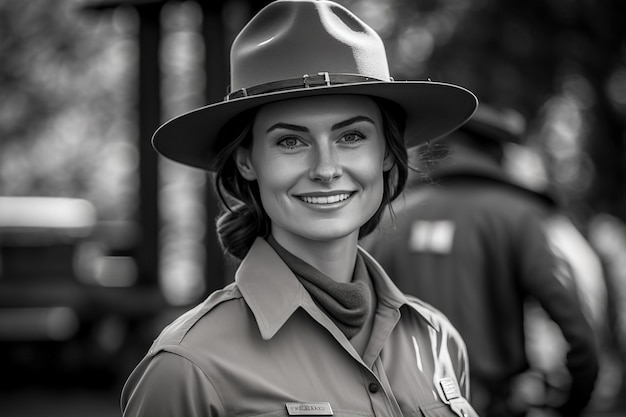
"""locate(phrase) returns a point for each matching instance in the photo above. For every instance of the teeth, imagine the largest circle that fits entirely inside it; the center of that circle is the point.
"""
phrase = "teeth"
(326, 200)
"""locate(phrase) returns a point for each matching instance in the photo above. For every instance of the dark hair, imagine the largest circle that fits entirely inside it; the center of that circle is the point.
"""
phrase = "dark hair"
(243, 218)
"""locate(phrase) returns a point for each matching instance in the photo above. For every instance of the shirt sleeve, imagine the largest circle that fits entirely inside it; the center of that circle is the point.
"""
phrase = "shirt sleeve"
(459, 357)
(546, 277)
(169, 385)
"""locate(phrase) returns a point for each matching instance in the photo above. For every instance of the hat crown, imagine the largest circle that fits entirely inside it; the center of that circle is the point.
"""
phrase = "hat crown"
(292, 38)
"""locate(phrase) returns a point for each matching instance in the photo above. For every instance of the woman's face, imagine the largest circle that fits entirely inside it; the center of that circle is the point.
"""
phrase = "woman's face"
(319, 164)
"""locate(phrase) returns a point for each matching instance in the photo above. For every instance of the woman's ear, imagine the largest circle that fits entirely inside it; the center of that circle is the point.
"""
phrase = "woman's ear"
(388, 162)
(244, 164)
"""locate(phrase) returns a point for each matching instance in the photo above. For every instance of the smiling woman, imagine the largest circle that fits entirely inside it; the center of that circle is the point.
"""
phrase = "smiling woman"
(318, 164)
(351, 132)
(304, 166)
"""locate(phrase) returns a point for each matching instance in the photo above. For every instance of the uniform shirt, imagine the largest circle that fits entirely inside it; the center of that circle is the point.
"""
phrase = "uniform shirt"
(262, 347)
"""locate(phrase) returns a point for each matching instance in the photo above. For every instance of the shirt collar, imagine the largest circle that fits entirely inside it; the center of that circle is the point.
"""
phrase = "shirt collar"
(269, 287)
(273, 292)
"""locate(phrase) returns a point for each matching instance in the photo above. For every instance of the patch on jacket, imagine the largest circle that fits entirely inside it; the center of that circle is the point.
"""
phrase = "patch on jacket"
(432, 236)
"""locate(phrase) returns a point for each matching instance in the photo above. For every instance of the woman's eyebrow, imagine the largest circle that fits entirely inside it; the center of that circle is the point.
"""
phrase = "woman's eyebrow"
(336, 126)
(350, 121)
(287, 126)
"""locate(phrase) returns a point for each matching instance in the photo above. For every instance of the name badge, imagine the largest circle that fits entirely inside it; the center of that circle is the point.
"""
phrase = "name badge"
(450, 394)
(449, 388)
(309, 409)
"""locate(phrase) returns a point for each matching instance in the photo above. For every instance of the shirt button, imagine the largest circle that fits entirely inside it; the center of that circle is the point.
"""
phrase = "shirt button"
(373, 387)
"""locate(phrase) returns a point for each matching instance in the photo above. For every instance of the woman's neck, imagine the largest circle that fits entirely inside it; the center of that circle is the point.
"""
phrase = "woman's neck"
(334, 258)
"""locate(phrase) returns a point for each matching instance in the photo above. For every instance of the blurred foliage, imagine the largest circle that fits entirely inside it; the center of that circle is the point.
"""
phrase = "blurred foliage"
(554, 61)
(66, 114)
(67, 123)
(561, 63)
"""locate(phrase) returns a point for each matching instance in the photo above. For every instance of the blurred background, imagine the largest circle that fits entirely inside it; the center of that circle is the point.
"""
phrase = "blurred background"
(102, 242)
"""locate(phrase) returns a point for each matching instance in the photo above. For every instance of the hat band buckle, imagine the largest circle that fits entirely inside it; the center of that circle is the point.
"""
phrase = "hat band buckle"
(321, 79)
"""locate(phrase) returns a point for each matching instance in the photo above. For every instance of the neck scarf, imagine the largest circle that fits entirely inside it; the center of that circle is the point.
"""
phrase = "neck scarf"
(347, 304)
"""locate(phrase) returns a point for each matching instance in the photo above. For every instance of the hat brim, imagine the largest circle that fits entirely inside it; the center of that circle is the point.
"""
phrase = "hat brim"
(487, 132)
(497, 126)
(433, 110)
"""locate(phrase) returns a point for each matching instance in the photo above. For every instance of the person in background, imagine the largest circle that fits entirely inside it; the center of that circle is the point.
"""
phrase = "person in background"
(307, 151)
(473, 243)
(607, 234)
(545, 345)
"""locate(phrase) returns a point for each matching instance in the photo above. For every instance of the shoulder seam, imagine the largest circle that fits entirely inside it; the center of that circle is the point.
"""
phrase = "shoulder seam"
(174, 333)
(186, 354)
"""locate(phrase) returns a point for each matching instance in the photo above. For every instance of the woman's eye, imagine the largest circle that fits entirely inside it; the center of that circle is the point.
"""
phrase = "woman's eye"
(352, 137)
(289, 142)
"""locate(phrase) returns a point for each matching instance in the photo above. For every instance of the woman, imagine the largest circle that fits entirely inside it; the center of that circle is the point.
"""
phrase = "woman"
(307, 151)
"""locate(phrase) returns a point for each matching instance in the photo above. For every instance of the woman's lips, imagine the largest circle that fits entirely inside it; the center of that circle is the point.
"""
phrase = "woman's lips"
(325, 199)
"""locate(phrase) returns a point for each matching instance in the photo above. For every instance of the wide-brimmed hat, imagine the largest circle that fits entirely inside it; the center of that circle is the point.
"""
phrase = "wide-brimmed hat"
(302, 48)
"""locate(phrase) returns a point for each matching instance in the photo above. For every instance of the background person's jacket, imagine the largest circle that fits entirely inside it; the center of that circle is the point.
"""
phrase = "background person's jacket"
(472, 243)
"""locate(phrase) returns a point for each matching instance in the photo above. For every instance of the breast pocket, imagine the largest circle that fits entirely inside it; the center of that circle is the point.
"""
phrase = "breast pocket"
(438, 410)
(457, 408)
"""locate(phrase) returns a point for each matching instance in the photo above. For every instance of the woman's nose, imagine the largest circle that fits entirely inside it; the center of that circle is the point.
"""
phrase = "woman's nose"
(326, 166)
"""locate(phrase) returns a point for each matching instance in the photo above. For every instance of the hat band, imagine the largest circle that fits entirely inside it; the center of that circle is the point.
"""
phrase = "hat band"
(322, 79)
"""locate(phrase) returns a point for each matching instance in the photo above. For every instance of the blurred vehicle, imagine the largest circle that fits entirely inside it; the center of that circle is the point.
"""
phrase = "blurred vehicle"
(71, 303)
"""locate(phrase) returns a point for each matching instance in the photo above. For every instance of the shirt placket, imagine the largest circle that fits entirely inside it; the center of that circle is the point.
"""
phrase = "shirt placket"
(383, 401)
(373, 375)
(381, 396)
